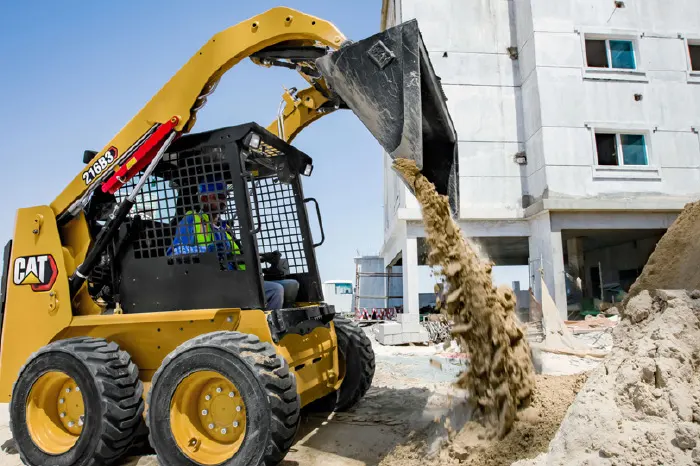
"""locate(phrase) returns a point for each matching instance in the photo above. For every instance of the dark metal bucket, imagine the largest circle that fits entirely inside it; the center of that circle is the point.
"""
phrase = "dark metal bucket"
(388, 81)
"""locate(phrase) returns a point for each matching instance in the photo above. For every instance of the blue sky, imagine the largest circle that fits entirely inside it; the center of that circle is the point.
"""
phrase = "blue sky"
(73, 73)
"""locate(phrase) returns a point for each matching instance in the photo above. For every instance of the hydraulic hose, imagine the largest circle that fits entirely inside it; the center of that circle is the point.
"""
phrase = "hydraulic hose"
(110, 230)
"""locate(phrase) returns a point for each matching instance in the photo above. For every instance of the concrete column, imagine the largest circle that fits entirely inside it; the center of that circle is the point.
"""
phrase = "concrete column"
(557, 272)
(409, 257)
(574, 248)
(546, 252)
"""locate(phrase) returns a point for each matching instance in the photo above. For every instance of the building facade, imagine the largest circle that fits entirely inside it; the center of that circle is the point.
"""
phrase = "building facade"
(578, 124)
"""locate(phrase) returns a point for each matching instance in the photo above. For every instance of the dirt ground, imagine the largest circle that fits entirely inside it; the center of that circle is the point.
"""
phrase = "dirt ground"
(532, 431)
(412, 388)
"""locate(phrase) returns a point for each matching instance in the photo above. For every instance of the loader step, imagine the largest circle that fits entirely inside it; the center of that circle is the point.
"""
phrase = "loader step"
(300, 320)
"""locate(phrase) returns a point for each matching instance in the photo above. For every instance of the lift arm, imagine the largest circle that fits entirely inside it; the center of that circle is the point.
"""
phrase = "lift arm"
(300, 110)
(386, 79)
(173, 109)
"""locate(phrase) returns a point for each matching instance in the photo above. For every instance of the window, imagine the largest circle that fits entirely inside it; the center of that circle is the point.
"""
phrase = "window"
(694, 51)
(343, 288)
(607, 53)
(621, 149)
(156, 201)
(607, 149)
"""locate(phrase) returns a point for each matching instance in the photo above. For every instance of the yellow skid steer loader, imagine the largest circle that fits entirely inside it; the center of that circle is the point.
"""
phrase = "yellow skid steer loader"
(137, 301)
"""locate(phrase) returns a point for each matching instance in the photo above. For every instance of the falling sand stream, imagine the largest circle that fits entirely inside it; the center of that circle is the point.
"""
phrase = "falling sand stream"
(500, 377)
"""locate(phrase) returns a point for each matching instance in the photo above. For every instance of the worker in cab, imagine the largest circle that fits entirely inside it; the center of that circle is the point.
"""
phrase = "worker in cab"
(204, 230)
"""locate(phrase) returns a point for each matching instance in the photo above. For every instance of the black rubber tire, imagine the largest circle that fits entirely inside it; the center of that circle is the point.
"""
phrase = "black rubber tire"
(112, 395)
(356, 350)
(140, 446)
(264, 380)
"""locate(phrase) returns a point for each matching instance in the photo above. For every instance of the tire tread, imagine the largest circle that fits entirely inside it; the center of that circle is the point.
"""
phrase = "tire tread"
(350, 334)
(274, 376)
(117, 380)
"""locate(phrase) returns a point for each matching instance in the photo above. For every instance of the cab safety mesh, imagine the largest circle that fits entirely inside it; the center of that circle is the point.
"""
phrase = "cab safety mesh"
(279, 220)
(171, 196)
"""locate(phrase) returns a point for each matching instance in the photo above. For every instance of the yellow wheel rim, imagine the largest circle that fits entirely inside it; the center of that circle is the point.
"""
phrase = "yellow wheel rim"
(208, 417)
(55, 413)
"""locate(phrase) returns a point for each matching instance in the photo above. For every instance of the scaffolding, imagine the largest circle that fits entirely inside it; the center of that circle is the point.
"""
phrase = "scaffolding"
(375, 313)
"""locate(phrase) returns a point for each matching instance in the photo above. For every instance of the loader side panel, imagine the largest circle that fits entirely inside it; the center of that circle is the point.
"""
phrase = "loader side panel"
(37, 299)
(150, 337)
(313, 357)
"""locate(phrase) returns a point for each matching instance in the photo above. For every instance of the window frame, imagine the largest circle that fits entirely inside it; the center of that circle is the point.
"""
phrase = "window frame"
(608, 54)
(693, 76)
(343, 286)
(620, 149)
(638, 74)
(650, 171)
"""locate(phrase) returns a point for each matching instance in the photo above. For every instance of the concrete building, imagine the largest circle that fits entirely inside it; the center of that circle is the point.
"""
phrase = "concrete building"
(338, 293)
(578, 128)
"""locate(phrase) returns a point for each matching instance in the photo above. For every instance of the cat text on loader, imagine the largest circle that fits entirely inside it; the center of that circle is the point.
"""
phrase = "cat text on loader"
(135, 303)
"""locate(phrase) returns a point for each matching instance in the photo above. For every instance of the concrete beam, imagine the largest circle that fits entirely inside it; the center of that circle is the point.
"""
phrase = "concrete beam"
(612, 221)
(639, 203)
(479, 228)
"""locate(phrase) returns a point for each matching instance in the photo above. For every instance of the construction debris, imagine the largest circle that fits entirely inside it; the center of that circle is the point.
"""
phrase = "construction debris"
(439, 331)
(558, 336)
(591, 324)
(500, 375)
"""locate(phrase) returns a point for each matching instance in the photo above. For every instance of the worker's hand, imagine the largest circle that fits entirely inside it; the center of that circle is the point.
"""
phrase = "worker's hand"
(271, 257)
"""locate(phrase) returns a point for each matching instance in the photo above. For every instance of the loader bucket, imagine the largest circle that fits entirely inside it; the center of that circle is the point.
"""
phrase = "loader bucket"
(388, 81)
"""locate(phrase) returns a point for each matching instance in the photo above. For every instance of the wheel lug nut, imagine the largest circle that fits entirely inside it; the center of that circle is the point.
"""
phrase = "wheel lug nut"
(231, 394)
(71, 424)
(61, 401)
(204, 412)
(238, 408)
(208, 397)
(211, 426)
(67, 390)
(218, 390)
(80, 422)
(63, 415)
(77, 389)
(223, 431)
(235, 423)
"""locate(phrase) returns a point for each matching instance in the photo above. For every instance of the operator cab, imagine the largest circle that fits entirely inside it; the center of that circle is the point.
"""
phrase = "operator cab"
(239, 184)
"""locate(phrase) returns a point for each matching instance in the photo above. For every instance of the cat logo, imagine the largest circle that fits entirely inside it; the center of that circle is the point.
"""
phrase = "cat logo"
(39, 272)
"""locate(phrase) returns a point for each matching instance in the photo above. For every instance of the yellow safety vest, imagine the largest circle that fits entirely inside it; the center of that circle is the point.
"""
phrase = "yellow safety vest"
(206, 237)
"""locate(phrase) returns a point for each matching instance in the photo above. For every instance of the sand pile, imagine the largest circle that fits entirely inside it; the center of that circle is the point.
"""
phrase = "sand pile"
(641, 406)
(674, 263)
(500, 376)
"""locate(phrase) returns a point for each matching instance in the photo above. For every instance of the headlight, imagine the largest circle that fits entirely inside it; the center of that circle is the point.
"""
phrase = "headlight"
(308, 169)
(254, 141)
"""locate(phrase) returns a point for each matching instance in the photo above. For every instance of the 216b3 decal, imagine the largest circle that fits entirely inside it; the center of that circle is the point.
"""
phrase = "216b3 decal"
(100, 165)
